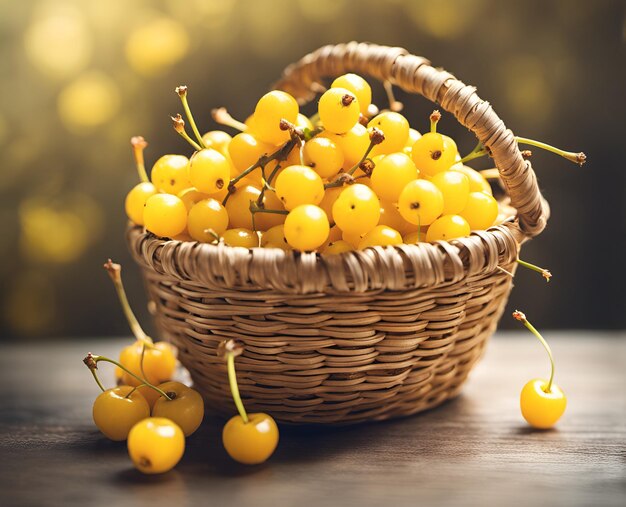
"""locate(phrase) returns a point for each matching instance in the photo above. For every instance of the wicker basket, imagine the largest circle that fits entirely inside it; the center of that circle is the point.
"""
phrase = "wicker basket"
(360, 336)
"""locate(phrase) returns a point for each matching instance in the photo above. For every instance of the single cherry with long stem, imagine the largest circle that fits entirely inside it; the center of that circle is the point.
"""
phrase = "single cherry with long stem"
(542, 402)
(248, 438)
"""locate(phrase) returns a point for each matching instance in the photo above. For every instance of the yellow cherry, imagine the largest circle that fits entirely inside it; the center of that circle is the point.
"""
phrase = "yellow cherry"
(448, 227)
(253, 442)
(155, 445)
(185, 408)
(540, 408)
(136, 201)
(115, 414)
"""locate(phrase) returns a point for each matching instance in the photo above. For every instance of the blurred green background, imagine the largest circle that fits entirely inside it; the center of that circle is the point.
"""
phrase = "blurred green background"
(79, 78)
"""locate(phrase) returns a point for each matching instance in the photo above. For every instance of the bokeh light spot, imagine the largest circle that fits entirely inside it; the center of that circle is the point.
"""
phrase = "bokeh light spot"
(322, 10)
(156, 45)
(30, 304)
(445, 19)
(91, 100)
(526, 89)
(58, 42)
(58, 233)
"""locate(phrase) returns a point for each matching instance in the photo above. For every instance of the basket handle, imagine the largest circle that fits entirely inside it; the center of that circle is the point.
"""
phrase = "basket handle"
(414, 74)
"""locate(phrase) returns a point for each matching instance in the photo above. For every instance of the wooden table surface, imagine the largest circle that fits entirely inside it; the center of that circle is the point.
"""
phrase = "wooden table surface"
(474, 450)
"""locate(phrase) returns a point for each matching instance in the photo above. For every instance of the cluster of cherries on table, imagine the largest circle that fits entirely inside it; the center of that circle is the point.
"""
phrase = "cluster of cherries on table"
(348, 178)
(155, 413)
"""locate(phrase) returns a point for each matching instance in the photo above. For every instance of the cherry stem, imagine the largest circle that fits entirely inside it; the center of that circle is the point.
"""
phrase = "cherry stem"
(500, 268)
(97, 359)
(367, 152)
(341, 177)
(577, 158)
(255, 208)
(394, 105)
(115, 273)
(139, 144)
(434, 119)
(267, 184)
(213, 234)
(234, 388)
(182, 93)
(544, 272)
(95, 376)
(130, 393)
(179, 126)
(222, 116)
(522, 318)
(280, 154)
(480, 151)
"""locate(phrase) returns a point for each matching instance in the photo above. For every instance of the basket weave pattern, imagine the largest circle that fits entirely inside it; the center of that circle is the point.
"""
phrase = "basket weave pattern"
(364, 335)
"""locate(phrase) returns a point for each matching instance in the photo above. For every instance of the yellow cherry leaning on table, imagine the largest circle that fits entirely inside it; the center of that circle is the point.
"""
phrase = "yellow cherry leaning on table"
(542, 402)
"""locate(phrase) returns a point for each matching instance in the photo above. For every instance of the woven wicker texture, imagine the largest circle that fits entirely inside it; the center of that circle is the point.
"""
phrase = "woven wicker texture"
(364, 335)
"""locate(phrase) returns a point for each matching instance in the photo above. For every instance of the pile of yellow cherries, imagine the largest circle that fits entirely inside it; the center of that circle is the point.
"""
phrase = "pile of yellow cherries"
(342, 180)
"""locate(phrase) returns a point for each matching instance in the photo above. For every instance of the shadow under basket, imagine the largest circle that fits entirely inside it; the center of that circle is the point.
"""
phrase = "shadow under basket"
(360, 336)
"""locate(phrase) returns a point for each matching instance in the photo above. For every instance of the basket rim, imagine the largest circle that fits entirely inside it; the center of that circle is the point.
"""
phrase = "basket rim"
(400, 267)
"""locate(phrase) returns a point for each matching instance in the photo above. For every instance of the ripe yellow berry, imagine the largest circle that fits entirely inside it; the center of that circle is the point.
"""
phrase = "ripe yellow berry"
(209, 171)
(357, 209)
(275, 238)
(391, 174)
(389, 215)
(218, 140)
(448, 227)
(244, 150)
(170, 174)
(433, 153)
(207, 219)
(323, 156)
(238, 206)
(306, 227)
(115, 413)
(165, 215)
(155, 445)
(396, 130)
(337, 247)
(477, 182)
(353, 143)
(480, 211)
(358, 86)
(420, 202)
(299, 184)
(542, 409)
(339, 110)
(381, 235)
(136, 201)
(455, 188)
(270, 109)
(241, 237)
(191, 196)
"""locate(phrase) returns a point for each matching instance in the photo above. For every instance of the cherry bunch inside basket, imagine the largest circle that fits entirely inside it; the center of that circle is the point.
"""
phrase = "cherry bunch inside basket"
(364, 335)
